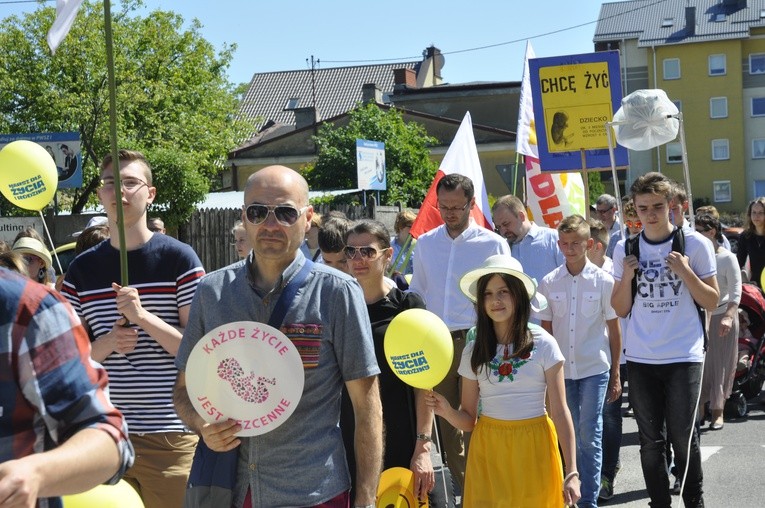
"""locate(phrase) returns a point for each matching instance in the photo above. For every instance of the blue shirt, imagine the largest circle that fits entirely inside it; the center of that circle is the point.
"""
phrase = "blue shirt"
(302, 462)
(538, 252)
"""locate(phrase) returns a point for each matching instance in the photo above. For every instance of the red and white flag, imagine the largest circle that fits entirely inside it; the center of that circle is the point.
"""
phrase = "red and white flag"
(460, 158)
(66, 11)
(549, 196)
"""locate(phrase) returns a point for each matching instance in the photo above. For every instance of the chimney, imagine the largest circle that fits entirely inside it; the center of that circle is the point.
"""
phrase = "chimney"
(370, 93)
(404, 78)
(305, 117)
(690, 21)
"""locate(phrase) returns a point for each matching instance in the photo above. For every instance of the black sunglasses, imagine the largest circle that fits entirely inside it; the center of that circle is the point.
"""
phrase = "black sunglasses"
(365, 252)
(286, 215)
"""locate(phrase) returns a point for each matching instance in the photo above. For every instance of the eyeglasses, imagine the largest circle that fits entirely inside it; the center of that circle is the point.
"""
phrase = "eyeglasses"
(366, 252)
(605, 210)
(286, 215)
(633, 223)
(127, 184)
(455, 209)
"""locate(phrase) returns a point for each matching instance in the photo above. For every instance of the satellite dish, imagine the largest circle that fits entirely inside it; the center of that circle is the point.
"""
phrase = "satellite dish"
(646, 120)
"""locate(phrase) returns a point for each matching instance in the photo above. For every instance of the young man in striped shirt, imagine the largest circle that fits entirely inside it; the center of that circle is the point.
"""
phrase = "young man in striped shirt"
(137, 329)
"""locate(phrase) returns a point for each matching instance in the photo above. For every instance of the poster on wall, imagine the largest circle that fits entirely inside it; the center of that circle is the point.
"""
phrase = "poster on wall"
(63, 147)
(574, 96)
(370, 165)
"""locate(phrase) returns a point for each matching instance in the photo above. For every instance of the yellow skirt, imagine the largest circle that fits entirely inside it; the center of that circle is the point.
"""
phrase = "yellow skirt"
(514, 464)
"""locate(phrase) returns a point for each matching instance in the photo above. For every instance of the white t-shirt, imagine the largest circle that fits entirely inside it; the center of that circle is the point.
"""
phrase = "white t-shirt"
(664, 326)
(515, 390)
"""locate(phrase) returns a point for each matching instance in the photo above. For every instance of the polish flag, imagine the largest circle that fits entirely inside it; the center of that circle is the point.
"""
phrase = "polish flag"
(461, 158)
(66, 11)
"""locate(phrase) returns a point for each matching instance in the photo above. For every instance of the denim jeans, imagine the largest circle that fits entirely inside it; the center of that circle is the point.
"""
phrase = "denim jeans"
(585, 401)
(612, 431)
(667, 393)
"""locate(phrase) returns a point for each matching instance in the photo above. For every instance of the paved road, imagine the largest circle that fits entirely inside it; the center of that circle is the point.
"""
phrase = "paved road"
(733, 463)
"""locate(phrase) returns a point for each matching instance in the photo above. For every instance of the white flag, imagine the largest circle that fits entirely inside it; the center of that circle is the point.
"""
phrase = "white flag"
(526, 136)
(66, 11)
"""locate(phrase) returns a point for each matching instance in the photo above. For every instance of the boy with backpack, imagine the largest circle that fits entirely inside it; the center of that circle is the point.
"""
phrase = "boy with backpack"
(662, 283)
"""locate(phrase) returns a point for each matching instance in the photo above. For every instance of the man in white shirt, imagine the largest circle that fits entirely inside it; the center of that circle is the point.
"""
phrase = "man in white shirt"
(535, 247)
(441, 257)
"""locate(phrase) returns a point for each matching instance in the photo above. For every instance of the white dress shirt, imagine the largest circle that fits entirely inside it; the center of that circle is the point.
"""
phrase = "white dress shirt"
(440, 261)
(578, 307)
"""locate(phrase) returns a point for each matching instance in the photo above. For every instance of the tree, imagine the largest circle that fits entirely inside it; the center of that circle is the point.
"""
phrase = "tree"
(407, 157)
(174, 100)
(595, 184)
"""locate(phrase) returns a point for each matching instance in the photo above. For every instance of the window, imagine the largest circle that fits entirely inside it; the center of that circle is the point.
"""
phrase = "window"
(757, 63)
(292, 103)
(717, 65)
(678, 105)
(722, 191)
(718, 107)
(672, 68)
(674, 152)
(758, 148)
(720, 150)
(758, 106)
(667, 22)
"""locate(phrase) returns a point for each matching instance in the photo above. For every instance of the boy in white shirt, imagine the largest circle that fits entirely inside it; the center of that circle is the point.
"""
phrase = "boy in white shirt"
(581, 319)
(660, 290)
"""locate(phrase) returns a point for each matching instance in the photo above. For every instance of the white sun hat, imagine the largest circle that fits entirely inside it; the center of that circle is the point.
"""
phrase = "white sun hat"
(502, 263)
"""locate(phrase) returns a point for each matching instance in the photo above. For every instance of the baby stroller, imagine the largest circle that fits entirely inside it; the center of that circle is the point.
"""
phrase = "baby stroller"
(750, 372)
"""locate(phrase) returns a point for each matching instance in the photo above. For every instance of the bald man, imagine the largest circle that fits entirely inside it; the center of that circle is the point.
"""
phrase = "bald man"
(302, 462)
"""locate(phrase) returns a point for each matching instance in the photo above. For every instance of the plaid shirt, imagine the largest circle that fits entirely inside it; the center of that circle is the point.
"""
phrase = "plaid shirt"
(49, 387)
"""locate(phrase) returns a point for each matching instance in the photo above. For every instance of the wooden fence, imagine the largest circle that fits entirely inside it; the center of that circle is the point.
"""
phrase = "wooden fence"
(209, 230)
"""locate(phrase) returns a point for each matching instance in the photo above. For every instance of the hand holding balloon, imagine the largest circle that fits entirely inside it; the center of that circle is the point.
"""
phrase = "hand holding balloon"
(438, 403)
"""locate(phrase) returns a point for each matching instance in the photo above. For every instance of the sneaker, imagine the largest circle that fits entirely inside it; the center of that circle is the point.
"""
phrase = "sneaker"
(676, 487)
(606, 489)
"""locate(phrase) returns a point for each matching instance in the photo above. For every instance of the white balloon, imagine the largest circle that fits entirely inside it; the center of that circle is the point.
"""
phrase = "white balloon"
(646, 120)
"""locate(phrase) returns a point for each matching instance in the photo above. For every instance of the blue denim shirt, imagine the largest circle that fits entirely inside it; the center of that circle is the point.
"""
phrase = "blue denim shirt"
(302, 462)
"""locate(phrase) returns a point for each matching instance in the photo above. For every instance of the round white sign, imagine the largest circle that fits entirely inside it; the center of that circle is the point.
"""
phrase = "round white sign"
(245, 371)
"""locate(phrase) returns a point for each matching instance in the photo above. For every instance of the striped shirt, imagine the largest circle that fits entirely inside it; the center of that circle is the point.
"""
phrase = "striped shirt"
(165, 272)
(50, 389)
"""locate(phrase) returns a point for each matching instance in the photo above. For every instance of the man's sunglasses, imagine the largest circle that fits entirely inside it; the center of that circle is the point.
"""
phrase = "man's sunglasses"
(286, 215)
(367, 252)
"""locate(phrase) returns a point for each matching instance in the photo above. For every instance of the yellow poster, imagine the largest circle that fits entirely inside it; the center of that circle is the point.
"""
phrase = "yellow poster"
(577, 104)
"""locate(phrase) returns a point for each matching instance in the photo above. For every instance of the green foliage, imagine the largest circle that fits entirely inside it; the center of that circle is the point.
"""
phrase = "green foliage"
(174, 100)
(595, 185)
(407, 157)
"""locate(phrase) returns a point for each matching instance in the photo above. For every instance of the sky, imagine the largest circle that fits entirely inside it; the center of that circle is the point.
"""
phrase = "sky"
(281, 35)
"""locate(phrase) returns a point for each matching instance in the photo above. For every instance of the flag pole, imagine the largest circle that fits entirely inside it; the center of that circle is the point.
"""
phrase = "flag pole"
(113, 140)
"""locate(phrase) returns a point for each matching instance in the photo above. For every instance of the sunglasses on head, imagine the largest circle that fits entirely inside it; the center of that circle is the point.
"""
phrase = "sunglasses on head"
(286, 215)
(367, 252)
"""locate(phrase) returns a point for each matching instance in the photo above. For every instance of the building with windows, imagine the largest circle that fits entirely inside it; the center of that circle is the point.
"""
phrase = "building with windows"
(709, 56)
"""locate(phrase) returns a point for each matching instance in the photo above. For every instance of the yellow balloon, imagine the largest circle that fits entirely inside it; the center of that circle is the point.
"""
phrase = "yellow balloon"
(121, 495)
(396, 490)
(28, 175)
(419, 348)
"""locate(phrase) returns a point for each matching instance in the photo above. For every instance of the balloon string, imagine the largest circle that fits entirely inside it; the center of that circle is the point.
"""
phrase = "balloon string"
(443, 464)
(50, 241)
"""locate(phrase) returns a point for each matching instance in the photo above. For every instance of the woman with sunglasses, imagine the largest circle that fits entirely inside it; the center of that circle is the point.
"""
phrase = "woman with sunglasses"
(408, 421)
(509, 368)
(722, 348)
